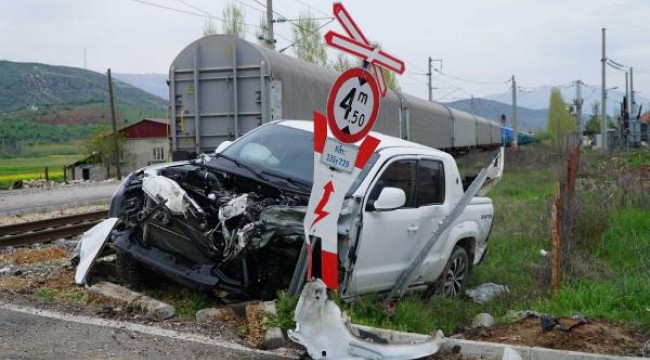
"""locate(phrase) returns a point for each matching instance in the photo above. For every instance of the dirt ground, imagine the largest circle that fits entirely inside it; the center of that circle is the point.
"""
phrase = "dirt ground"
(597, 336)
(43, 278)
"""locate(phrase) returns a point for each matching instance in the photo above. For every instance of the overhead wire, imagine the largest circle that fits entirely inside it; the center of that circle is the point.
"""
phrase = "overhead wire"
(313, 8)
(205, 16)
(194, 7)
(306, 35)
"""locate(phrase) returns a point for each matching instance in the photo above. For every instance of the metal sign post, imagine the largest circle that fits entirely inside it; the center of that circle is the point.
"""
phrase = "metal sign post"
(352, 109)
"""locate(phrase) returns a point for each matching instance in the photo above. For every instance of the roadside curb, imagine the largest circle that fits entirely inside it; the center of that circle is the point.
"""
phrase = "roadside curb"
(153, 309)
(495, 351)
(147, 329)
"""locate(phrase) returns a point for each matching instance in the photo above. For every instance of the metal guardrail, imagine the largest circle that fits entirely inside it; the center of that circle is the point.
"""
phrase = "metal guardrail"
(28, 233)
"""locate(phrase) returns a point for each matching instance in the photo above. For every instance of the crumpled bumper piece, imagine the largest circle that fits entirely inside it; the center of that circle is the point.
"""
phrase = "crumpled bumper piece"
(326, 332)
(90, 246)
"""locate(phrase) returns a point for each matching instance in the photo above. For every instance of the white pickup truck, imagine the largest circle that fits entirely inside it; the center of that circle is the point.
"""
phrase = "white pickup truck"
(233, 220)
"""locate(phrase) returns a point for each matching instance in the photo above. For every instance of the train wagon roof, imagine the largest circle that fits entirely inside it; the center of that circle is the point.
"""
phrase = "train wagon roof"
(386, 140)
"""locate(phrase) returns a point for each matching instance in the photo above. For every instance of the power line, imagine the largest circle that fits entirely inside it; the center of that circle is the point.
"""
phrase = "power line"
(173, 9)
(251, 7)
(194, 7)
(313, 8)
(311, 33)
(188, 12)
(471, 81)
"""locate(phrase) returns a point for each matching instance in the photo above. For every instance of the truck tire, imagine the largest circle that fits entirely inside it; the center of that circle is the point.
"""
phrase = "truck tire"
(451, 283)
(131, 272)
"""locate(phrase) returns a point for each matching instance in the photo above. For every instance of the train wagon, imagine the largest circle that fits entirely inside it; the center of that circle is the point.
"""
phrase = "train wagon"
(223, 86)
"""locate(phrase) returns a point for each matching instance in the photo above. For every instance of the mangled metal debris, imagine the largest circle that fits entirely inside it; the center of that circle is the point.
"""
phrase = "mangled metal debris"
(326, 332)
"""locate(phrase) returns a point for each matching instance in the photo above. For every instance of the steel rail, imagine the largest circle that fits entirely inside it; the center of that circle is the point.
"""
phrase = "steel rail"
(50, 223)
(47, 230)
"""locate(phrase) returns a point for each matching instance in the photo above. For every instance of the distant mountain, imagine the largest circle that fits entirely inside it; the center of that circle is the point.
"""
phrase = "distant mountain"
(33, 85)
(538, 98)
(155, 84)
(528, 119)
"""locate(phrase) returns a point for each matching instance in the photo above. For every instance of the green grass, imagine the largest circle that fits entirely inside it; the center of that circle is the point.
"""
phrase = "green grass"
(45, 294)
(186, 301)
(610, 264)
(13, 169)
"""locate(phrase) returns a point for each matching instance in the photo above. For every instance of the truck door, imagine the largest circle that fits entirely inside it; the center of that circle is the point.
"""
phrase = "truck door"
(388, 238)
(431, 206)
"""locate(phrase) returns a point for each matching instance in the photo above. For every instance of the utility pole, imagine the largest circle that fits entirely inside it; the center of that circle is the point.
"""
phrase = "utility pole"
(632, 103)
(603, 98)
(515, 131)
(627, 94)
(578, 104)
(269, 24)
(429, 75)
(116, 148)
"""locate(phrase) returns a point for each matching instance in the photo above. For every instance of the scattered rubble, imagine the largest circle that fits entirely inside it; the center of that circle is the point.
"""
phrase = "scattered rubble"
(485, 292)
(273, 337)
(482, 320)
(597, 336)
(152, 308)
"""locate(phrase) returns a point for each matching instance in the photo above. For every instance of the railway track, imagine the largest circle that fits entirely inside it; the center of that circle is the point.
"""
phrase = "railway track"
(28, 233)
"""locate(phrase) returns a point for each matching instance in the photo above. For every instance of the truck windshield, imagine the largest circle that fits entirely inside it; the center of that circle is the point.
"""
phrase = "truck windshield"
(277, 149)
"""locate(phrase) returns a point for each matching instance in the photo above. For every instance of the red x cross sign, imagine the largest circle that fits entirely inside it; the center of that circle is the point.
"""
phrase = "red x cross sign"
(357, 44)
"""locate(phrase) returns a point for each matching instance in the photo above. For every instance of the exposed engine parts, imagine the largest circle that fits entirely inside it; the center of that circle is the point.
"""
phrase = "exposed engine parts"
(218, 224)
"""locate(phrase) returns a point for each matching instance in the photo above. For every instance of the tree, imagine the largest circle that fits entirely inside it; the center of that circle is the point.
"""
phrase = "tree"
(592, 126)
(389, 76)
(391, 79)
(342, 63)
(101, 147)
(263, 32)
(559, 119)
(308, 42)
(209, 27)
(233, 21)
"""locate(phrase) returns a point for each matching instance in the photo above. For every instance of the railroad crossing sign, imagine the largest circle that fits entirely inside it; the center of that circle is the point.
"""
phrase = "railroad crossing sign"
(352, 105)
(359, 45)
(352, 108)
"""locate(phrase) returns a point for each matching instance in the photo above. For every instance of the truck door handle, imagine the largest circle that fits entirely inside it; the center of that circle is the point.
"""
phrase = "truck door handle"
(412, 228)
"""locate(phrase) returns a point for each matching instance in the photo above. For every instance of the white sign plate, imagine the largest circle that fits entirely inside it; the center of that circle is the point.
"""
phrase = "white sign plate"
(339, 156)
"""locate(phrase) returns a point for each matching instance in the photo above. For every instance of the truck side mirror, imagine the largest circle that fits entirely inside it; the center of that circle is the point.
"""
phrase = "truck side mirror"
(390, 198)
(223, 145)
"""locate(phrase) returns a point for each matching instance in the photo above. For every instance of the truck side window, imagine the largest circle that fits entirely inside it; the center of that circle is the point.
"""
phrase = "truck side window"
(431, 182)
(400, 174)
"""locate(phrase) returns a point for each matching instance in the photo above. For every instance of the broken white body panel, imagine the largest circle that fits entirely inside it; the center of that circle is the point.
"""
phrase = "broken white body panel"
(495, 173)
(326, 332)
(160, 188)
(91, 244)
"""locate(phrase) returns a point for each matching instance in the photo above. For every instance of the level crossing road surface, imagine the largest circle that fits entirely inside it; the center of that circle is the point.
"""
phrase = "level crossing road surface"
(14, 202)
(30, 336)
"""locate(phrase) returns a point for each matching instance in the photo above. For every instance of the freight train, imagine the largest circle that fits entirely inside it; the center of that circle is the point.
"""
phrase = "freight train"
(223, 86)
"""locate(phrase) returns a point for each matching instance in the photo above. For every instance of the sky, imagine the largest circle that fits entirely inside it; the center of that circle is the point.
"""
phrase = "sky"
(481, 43)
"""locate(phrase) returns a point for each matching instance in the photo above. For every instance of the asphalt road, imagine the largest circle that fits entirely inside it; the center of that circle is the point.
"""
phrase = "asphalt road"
(29, 336)
(13, 202)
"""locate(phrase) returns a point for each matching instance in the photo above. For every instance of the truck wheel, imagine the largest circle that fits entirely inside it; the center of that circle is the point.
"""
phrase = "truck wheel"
(452, 280)
(131, 272)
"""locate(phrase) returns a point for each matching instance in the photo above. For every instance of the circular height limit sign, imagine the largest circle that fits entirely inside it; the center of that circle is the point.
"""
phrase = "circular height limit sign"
(352, 105)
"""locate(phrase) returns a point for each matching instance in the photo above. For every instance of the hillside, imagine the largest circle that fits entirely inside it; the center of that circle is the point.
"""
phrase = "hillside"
(33, 85)
(538, 98)
(528, 119)
(155, 84)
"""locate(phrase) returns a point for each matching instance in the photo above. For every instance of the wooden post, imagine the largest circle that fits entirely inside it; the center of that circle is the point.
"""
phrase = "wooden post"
(556, 241)
(65, 175)
(47, 174)
(116, 148)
